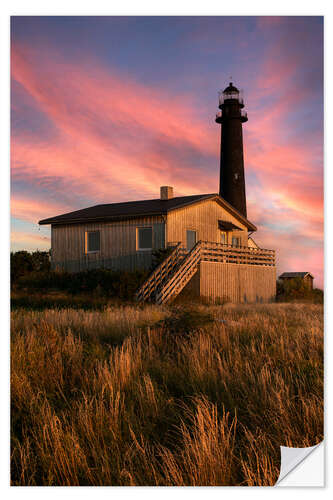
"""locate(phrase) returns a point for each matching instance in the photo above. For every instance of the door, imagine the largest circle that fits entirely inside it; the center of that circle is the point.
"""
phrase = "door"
(224, 238)
(191, 239)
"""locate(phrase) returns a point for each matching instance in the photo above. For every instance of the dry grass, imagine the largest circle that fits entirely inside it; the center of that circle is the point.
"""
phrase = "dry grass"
(164, 396)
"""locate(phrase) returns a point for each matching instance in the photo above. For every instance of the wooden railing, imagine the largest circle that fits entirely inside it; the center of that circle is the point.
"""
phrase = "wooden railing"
(181, 276)
(173, 274)
(155, 280)
(219, 252)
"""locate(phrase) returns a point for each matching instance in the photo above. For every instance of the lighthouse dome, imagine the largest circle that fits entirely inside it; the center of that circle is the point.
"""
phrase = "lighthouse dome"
(230, 88)
(231, 93)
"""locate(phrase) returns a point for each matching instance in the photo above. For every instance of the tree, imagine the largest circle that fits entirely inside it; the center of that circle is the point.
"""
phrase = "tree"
(23, 263)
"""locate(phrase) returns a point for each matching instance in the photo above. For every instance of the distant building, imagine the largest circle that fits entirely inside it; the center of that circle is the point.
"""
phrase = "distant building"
(208, 234)
(304, 276)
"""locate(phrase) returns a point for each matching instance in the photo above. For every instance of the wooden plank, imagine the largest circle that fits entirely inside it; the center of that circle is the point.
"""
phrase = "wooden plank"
(237, 282)
(159, 235)
(118, 244)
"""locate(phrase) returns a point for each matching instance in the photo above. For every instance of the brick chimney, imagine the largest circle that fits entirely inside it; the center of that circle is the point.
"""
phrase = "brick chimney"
(166, 192)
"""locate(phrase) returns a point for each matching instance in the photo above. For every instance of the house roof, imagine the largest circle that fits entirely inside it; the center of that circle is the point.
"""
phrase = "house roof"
(134, 209)
(295, 275)
(225, 225)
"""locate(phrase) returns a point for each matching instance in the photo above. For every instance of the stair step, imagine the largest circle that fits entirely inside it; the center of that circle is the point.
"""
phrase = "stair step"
(177, 289)
(181, 277)
(171, 276)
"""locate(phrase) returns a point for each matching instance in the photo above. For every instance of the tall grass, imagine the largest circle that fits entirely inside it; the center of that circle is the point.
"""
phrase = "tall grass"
(163, 396)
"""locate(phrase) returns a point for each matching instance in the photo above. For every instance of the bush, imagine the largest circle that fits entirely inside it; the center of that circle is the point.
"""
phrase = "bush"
(23, 263)
(121, 284)
(38, 301)
(159, 256)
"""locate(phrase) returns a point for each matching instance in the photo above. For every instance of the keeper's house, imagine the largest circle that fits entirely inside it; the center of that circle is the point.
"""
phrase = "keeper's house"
(211, 251)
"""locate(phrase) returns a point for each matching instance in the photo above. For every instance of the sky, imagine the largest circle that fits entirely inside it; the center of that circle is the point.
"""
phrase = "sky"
(108, 109)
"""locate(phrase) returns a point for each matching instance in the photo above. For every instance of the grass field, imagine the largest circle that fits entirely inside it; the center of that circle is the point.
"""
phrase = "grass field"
(201, 395)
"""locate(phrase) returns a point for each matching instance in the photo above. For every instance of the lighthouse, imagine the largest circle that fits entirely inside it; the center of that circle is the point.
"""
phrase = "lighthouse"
(231, 117)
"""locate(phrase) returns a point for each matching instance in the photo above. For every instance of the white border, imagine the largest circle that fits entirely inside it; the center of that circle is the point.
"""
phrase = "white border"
(146, 7)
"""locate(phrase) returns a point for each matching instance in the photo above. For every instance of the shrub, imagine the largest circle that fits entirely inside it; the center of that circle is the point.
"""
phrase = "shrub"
(159, 255)
(23, 263)
(121, 284)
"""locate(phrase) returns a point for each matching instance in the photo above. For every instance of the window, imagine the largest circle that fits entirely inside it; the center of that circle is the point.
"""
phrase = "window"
(144, 238)
(93, 241)
(191, 239)
(236, 241)
(224, 238)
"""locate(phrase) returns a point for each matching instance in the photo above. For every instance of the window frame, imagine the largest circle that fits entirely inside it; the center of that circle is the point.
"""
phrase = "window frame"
(86, 241)
(138, 249)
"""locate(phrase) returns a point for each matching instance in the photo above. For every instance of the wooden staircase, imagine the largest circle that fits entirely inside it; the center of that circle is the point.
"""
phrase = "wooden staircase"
(180, 277)
(171, 276)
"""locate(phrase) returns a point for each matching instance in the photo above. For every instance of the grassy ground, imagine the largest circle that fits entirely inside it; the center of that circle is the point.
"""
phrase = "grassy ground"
(201, 395)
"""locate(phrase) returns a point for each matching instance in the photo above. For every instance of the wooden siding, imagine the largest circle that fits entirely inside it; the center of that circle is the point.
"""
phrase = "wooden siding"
(202, 217)
(251, 243)
(237, 282)
(309, 282)
(118, 245)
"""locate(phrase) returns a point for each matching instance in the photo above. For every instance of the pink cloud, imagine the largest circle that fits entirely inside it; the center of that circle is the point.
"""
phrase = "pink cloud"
(102, 165)
(287, 171)
(30, 209)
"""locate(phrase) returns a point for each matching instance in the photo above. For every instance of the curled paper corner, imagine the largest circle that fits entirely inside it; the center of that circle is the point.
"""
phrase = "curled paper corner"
(291, 458)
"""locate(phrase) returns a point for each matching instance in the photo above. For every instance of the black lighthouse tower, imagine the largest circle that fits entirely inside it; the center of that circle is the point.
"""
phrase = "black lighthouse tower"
(231, 117)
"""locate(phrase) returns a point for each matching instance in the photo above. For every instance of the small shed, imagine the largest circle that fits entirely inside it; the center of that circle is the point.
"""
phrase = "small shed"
(305, 276)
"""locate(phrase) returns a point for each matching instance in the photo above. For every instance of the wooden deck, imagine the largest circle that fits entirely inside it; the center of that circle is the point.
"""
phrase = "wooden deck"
(175, 272)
